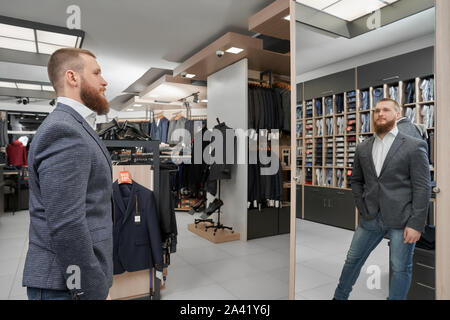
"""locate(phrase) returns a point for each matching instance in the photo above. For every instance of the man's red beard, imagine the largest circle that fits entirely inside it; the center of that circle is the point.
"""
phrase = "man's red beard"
(93, 99)
(384, 128)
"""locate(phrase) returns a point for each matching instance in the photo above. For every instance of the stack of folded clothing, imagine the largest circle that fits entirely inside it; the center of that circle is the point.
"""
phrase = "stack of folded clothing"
(329, 153)
(351, 149)
(340, 150)
(319, 155)
(351, 101)
(329, 106)
(309, 109)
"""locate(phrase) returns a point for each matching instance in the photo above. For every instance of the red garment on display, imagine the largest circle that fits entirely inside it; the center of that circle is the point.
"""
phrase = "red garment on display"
(17, 154)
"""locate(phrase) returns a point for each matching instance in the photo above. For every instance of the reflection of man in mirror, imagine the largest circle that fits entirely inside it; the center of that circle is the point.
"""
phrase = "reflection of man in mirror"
(392, 187)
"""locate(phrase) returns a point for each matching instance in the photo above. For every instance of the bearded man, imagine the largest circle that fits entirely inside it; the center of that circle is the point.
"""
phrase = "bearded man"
(391, 185)
(70, 254)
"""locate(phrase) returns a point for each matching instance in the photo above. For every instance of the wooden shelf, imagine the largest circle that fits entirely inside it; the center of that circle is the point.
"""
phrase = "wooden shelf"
(426, 102)
(270, 21)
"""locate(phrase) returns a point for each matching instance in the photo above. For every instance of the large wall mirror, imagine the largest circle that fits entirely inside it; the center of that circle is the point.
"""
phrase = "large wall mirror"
(349, 56)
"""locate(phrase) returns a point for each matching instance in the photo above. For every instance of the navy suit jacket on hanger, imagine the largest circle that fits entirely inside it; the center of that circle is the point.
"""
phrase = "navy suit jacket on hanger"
(159, 131)
(137, 239)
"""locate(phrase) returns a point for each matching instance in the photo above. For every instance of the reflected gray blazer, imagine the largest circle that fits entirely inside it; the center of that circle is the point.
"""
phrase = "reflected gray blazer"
(401, 194)
(71, 223)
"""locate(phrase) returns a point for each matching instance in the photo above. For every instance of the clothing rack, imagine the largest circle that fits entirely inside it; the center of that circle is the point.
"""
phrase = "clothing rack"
(154, 146)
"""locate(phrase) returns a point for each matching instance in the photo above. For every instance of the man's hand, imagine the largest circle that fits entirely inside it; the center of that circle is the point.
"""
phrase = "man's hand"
(411, 235)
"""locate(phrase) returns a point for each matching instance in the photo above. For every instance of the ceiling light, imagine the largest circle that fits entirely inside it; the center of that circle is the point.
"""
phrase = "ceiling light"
(4, 84)
(26, 86)
(45, 48)
(17, 44)
(234, 50)
(59, 39)
(288, 18)
(204, 101)
(138, 105)
(190, 76)
(10, 31)
(130, 109)
(47, 88)
(349, 10)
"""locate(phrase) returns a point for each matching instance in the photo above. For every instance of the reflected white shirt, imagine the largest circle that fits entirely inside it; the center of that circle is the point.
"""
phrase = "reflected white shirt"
(381, 148)
(85, 112)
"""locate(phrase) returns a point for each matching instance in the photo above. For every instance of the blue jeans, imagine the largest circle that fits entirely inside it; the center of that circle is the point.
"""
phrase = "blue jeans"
(48, 294)
(367, 236)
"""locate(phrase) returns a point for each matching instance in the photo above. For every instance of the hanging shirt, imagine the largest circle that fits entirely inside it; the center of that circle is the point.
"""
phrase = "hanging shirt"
(381, 148)
(84, 111)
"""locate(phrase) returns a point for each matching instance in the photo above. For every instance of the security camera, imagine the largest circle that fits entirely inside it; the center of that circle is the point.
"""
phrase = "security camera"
(220, 53)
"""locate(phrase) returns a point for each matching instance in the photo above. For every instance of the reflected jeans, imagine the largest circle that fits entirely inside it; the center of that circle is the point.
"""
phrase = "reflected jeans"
(366, 238)
(48, 294)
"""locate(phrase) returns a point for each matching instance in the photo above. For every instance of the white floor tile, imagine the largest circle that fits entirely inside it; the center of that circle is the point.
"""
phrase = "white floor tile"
(185, 278)
(268, 260)
(325, 292)
(9, 267)
(241, 248)
(192, 241)
(303, 253)
(223, 270)
(273, 243)
(331, 266)
(6, 282)
(196, 256)
(210, 292)
(307, 278)
(258, 286)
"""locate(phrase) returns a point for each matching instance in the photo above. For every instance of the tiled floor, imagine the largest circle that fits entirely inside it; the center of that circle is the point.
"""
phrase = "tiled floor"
(320, 256)
(201, 270)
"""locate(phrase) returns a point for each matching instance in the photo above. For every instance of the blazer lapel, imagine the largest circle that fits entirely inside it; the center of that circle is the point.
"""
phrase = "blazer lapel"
(87, 127)
(395, 146)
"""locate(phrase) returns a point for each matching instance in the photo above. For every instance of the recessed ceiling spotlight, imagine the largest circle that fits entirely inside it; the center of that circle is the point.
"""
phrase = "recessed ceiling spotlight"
(288, 18)
(234, 50)
(138, 105)
(190, 76)
(130, 109)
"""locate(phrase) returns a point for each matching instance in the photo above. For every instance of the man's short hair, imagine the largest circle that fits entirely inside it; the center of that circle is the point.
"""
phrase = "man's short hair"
(62, 60)
(397, 107)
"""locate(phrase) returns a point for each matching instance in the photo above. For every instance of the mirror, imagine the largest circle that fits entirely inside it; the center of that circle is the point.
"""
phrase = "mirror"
(348, 58)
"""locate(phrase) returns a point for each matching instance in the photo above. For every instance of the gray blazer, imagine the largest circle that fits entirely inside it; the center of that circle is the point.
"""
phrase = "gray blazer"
(70, 180)
(402, 192)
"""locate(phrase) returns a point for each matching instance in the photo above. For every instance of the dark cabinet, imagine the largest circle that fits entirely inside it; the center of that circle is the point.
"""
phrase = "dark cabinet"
(329, 206)
(284, 220)
(333, 84)
(404, 67)
(262, 223)
(299, 202)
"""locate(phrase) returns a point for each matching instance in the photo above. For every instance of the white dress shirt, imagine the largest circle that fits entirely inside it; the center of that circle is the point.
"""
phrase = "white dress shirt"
(381, 148)
(84, 111)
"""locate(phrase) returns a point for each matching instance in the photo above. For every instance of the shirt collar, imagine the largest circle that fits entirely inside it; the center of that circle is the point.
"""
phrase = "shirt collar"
(393, 132)
(84, 111)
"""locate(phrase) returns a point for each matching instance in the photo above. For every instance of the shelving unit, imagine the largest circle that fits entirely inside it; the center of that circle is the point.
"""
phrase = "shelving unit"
(325, 160)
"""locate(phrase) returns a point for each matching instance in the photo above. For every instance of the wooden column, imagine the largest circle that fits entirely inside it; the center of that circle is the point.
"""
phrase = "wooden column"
(442, 149)
(293, 154)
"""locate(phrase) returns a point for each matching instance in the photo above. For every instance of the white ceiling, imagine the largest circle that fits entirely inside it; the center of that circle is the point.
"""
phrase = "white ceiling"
(316, 49)
(130, 37)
